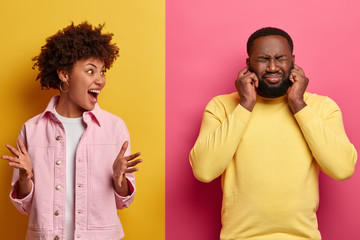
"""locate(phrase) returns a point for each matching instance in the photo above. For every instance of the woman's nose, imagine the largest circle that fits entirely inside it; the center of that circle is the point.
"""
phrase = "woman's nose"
(100, 79)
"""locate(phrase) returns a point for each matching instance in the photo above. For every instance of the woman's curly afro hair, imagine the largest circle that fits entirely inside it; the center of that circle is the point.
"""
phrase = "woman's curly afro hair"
(69, 45)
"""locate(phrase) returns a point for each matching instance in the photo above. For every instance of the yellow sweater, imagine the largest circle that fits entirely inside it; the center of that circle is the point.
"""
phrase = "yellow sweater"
(269, 160)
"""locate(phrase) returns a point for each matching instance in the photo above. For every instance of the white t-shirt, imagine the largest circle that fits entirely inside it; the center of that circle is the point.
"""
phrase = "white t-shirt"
(74, 129)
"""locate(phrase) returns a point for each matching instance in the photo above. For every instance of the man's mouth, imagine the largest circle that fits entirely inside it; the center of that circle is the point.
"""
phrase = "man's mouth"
(93, 94)
(273, 79)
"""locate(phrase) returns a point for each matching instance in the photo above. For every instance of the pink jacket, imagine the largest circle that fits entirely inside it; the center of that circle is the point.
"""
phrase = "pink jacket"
(95, 198)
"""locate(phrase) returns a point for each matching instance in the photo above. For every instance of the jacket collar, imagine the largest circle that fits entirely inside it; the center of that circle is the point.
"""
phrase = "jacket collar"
(94, 114)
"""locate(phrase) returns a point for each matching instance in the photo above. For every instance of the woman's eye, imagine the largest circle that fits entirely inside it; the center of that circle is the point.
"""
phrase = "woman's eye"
(103, 73)
(90, 71)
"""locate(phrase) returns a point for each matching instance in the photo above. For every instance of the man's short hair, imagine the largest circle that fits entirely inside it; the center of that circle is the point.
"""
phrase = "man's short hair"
(268, 31)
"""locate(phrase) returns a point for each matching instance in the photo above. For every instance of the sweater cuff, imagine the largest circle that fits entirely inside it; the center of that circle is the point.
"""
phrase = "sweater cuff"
(241, 114)
(304, 116)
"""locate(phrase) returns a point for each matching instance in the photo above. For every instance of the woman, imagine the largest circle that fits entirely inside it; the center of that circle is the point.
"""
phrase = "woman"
(73, 168)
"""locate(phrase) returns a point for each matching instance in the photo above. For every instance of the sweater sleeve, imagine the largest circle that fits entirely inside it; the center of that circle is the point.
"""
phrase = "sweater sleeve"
(327, 140)
(218, 140)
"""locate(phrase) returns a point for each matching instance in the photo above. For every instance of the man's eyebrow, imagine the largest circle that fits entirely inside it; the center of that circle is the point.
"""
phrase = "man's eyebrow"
(267, 57)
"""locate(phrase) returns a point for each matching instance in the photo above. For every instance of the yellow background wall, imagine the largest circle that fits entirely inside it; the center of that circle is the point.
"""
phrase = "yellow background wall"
(135, 91)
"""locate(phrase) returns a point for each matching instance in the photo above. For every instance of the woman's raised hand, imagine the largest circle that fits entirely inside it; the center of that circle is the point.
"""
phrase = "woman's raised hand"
(21, 160)
(124, 164)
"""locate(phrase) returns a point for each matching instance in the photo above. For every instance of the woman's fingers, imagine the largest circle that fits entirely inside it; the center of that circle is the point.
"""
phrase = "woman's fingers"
(15, 165)
(10, 158)
(132, 156)
(125, 164)
(13, 150)
(22, 146)
(21, 160)
(123, 149)
(134, 163)
(131, 170)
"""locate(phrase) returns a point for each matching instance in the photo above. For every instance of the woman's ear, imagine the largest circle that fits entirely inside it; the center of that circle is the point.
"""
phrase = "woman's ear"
(63, 74)
(248, 62)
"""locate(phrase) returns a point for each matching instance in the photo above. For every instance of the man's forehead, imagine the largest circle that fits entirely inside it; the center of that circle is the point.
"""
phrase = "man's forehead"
(271, 45)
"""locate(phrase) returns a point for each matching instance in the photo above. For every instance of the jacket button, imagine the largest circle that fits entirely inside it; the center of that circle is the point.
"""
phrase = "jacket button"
(57, 237)
(58, 162)
(57, 212)
(58, 187)
(58, 138)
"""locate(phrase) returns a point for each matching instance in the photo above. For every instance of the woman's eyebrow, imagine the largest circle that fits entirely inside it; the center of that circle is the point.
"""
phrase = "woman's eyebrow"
(92, 65)
(103, 67)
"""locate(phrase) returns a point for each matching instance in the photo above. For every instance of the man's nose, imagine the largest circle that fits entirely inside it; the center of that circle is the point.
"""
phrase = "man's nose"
(272, 66)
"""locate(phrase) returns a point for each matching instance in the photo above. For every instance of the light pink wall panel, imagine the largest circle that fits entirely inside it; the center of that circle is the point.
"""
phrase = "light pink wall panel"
(205, 49)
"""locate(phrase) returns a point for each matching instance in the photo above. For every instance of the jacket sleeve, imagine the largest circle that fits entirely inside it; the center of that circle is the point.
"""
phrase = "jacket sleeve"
(124, 202)
(218, 140)
(327, 140)
(23, 204)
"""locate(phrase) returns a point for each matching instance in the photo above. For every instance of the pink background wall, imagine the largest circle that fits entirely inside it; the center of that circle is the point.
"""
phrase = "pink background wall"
(205, 49)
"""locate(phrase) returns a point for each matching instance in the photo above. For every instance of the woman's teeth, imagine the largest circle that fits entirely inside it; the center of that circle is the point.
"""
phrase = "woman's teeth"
(94, 91)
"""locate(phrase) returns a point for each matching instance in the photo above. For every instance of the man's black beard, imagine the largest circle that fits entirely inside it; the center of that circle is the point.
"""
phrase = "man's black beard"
(265, 90)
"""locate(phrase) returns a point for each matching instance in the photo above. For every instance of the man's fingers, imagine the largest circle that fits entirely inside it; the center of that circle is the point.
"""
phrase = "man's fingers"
(247, 77)
(297, 75)
(132, 156)
(242, 72)
(299, 69)
(123, 148)
(252, 78)
(255, 80)
(292, 76)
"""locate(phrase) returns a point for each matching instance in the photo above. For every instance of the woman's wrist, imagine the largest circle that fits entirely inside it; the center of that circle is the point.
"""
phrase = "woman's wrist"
(122, 188)
(24, 187)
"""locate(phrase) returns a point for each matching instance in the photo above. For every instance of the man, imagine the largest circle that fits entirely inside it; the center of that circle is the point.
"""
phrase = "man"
(268, 141)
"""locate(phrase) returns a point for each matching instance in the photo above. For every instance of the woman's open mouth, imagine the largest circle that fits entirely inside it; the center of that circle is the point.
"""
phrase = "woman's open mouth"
(93, 94)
